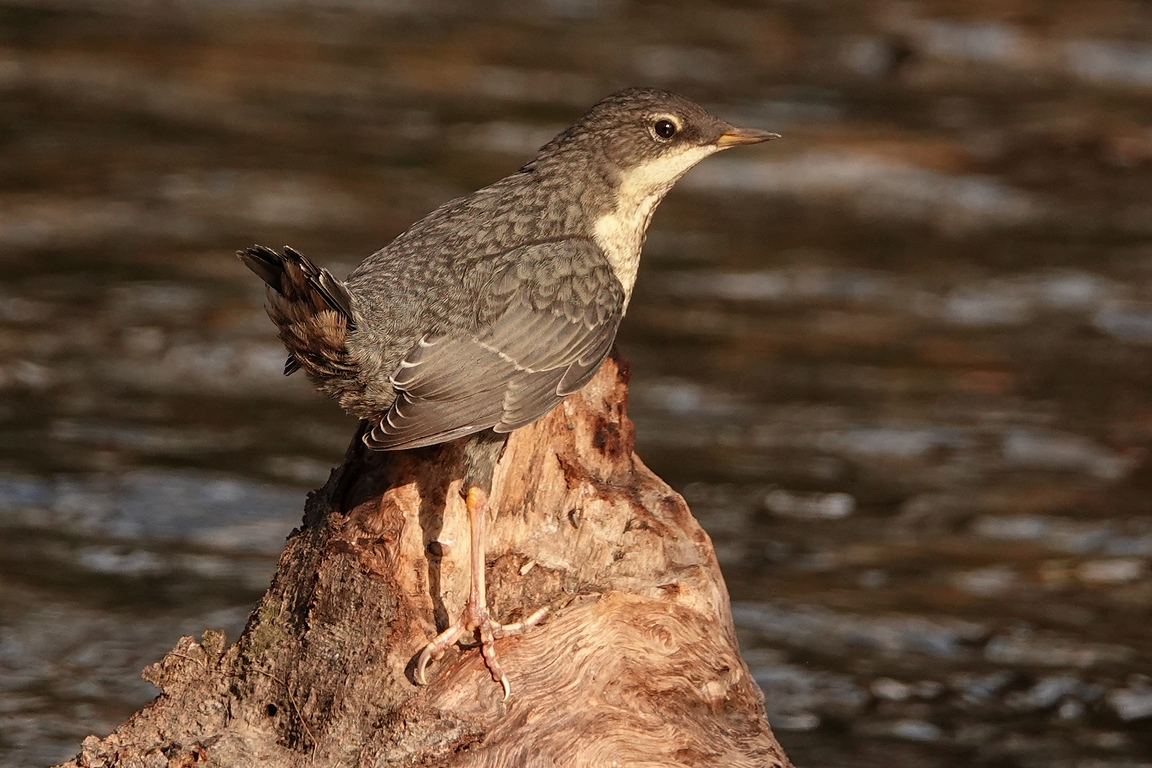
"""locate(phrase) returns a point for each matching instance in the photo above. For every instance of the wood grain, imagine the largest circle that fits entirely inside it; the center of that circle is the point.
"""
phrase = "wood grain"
(637, 664)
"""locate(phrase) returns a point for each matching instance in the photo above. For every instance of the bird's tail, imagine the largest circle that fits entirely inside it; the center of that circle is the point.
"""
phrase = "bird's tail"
(312, 310)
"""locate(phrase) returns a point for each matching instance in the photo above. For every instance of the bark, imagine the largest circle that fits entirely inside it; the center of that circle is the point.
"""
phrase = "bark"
(637, 664)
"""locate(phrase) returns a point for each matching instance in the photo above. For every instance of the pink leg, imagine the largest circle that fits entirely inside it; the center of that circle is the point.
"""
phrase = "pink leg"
(475, 619)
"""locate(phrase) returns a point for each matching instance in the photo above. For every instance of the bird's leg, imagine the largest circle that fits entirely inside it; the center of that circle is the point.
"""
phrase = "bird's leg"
(476, 610)
(475, 618)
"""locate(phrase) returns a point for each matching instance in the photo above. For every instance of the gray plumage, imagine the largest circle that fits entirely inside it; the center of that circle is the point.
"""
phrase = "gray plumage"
(486, 313)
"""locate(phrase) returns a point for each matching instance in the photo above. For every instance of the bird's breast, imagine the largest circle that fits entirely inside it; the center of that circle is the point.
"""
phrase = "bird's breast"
(620, 235)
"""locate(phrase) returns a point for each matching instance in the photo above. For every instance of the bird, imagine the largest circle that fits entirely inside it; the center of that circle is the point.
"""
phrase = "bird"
(484, 315)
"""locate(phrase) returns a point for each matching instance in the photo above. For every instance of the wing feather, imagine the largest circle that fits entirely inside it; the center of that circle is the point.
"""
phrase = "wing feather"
(541, 345)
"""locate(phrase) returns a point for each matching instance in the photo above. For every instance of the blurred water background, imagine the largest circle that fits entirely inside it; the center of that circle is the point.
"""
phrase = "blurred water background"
(900, 362)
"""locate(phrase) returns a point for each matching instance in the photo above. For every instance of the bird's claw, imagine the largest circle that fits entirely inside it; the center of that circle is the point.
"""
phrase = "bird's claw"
(435, 650)
(487, 632)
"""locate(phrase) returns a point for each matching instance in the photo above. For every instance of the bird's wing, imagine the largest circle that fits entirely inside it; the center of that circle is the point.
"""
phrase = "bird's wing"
(548, 320)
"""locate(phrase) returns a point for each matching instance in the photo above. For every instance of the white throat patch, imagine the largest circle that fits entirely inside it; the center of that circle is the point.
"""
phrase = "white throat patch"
(620, 233)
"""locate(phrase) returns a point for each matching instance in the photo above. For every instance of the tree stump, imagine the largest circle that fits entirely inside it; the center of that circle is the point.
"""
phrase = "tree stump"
(637, 664)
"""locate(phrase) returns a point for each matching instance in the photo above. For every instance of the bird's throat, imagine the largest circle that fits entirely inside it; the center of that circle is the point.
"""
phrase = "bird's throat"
(620, 232)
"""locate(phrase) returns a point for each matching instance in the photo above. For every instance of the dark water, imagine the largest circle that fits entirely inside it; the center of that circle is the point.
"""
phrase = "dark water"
(899, 362)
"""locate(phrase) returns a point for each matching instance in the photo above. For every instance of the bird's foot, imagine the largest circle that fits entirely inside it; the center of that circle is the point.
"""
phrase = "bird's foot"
(487, 632)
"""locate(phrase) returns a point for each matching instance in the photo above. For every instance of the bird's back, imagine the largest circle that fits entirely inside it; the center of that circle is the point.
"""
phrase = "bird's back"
(435, 277)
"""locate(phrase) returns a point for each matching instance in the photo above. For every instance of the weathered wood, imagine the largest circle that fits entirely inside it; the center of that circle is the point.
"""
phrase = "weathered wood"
(637, 664)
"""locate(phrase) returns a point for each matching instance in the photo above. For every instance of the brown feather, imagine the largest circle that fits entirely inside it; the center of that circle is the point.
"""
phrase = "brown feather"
(313, 312)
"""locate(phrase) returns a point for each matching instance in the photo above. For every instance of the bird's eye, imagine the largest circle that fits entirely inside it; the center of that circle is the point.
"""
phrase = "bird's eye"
(664, 129)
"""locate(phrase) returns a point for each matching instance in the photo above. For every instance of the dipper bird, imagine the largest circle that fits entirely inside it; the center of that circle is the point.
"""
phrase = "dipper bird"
(486, 313)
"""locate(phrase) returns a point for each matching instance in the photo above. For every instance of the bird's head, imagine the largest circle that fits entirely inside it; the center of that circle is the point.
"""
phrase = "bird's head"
(623, 156)
(642, 140)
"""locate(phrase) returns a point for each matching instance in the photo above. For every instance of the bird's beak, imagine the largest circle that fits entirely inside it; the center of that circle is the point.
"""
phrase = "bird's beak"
(736, 136)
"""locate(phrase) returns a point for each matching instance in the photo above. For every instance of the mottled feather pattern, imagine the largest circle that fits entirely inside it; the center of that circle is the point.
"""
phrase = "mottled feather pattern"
(534, 336)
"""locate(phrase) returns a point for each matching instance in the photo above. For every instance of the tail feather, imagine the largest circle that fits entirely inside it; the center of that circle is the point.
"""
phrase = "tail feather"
(273, 268)
(312, 309)
(266, 263)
